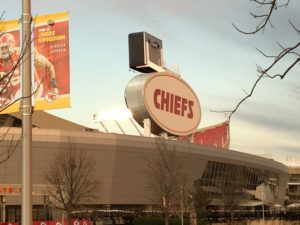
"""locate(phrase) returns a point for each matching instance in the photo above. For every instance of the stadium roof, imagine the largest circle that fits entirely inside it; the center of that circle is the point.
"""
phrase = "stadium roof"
(41, 119)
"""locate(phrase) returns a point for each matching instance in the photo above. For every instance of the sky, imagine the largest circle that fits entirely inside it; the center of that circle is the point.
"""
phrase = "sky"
(201, 43)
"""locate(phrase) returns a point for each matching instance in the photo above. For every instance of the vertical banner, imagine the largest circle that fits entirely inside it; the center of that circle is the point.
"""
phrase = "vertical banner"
(51, 61)
(10, 55)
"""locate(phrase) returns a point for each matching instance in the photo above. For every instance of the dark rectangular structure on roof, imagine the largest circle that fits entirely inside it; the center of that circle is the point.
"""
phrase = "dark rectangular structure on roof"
(145, 52)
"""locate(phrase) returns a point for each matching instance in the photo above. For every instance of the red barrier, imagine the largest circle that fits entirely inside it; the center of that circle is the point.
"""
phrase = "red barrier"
(51, 222)
(8, 223)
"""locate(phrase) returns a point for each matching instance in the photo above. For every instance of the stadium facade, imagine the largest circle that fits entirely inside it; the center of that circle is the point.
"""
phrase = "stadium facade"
(120, 165)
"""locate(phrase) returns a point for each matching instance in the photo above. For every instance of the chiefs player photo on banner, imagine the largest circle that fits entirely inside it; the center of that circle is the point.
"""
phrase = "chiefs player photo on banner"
(10, 91)
(51, 61)
(51, 69)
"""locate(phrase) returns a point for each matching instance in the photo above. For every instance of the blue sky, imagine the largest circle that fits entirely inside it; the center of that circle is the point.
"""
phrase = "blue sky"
(198, 38)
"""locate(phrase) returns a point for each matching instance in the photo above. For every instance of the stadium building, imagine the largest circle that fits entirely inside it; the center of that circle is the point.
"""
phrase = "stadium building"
(120, 165)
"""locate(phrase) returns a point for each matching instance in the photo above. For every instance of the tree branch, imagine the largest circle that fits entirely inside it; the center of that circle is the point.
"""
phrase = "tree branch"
(294, 27)
(287, 53)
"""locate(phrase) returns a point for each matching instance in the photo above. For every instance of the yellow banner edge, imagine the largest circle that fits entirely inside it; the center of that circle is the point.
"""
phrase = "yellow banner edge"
(55, 16)
(9, 25)
(58, 103)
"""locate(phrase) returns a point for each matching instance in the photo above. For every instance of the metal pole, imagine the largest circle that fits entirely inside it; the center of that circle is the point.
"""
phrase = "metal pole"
(26, 111)
(119, 126)
(263, 211)
(181, 203)
(2, 202)
(135, 126)
(63, 217)
(263, 207)
(4, 208)
(104, 127)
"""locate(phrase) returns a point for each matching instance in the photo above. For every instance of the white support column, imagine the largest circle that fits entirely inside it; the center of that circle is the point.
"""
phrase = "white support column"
(164, 135)
(191, 138)
(147, 127)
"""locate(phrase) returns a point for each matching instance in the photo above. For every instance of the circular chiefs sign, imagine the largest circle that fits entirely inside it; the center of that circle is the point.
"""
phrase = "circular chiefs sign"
(170, 102)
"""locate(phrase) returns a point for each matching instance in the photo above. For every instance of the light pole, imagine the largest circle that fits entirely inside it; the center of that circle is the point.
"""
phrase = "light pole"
(262, 205)
(26, 111)
(181, 203)
(3, 202)
(263, 210)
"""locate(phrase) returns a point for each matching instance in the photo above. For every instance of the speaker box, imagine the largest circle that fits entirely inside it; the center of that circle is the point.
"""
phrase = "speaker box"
(145, 52)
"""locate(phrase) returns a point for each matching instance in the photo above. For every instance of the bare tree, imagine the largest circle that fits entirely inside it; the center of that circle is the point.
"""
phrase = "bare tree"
(9, 75)
(71, 181)
(10, 148)
(166, 178)
(287, 58)
(199, 200)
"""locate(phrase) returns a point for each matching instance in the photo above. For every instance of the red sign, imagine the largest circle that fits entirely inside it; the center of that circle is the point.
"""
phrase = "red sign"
(10, 190)
(173, 103)
(53, 222)
(216, 136)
